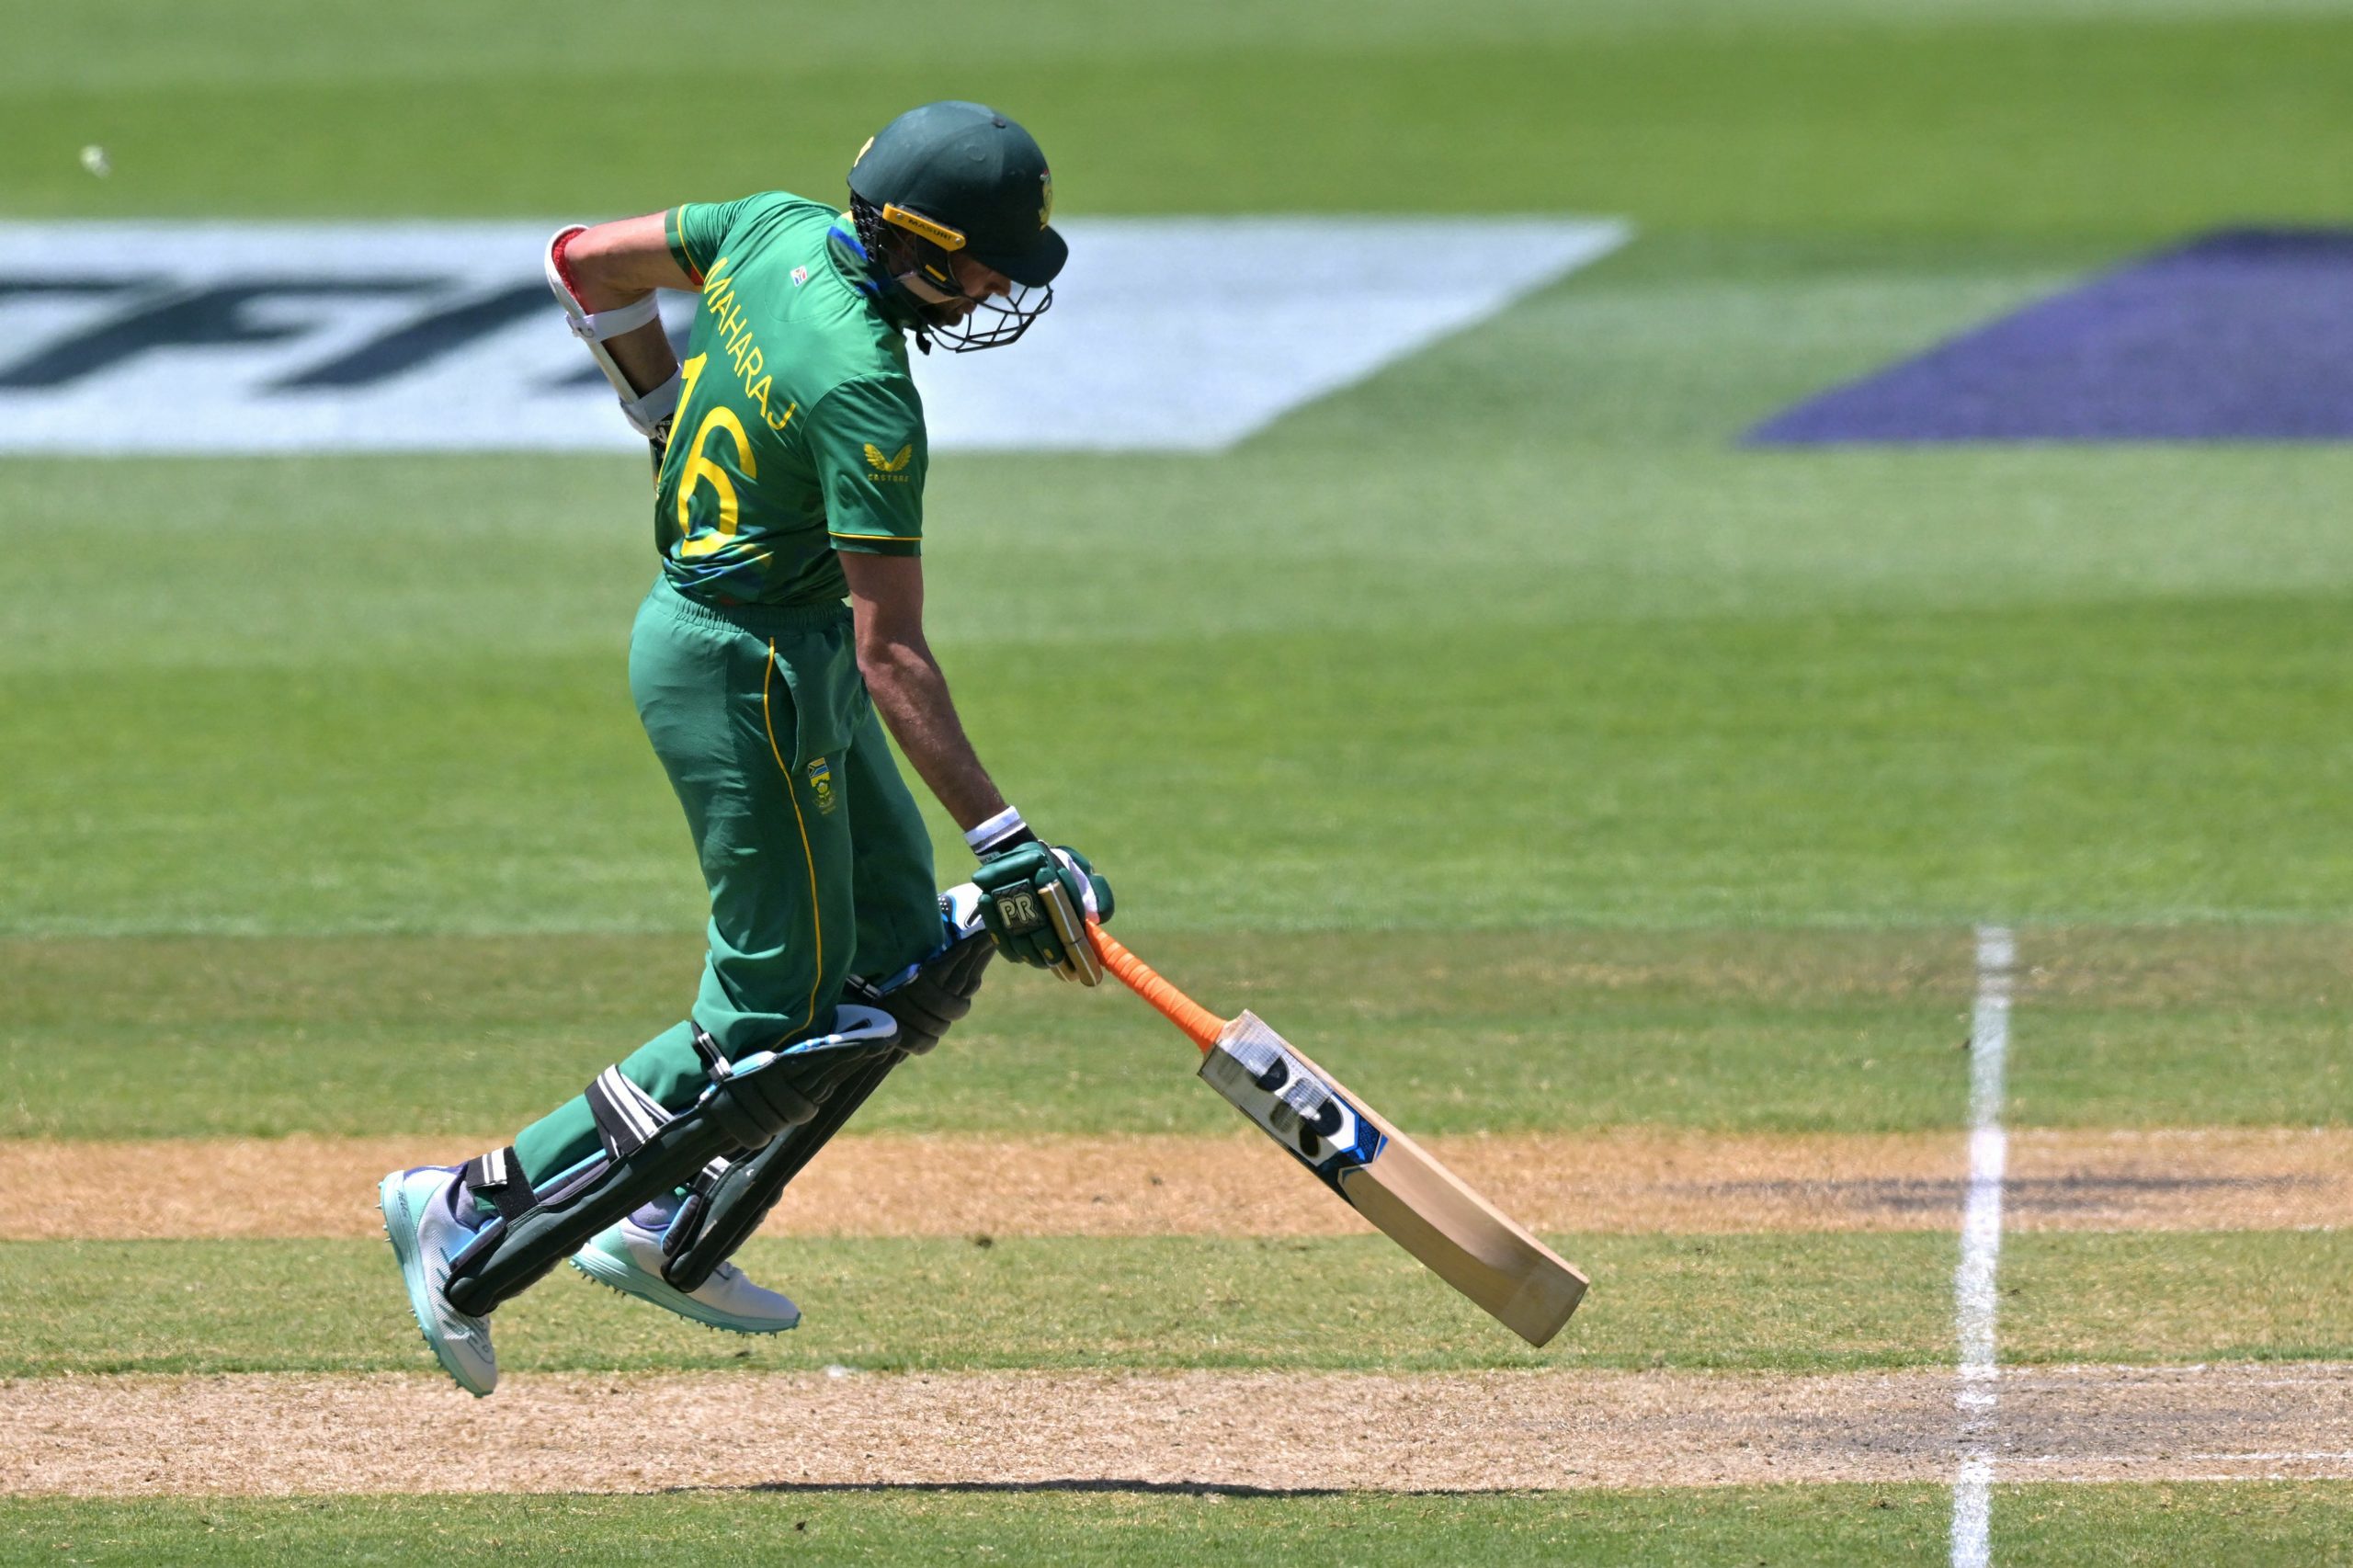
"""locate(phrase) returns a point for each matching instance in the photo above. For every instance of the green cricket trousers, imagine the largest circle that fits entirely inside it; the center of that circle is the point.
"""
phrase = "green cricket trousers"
(818, 862)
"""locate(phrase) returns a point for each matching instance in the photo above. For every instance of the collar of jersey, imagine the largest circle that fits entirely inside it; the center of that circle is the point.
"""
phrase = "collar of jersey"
(857, 269)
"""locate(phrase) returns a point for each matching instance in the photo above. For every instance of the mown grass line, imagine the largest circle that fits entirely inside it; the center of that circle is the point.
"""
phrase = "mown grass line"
(1784, 1302)
(1444, 1033)
(2254, 1523)
(1793, 1302)
(1864, 769)
(1136, 1526)
(2293, 1524)
(2116, 1023)
(2189, 1296)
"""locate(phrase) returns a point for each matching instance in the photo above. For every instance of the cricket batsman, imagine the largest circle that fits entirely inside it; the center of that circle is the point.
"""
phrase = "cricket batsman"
(783, 635)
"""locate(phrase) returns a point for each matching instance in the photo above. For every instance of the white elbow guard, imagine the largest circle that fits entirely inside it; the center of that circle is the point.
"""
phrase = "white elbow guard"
(646, 411)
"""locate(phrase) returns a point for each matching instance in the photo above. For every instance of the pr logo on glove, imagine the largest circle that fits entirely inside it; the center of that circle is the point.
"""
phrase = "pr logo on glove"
(1037, 899)
(1019, 913)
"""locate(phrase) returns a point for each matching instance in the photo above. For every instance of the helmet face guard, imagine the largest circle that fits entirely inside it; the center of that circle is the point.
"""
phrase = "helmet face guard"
(994, 322)
(908, 246)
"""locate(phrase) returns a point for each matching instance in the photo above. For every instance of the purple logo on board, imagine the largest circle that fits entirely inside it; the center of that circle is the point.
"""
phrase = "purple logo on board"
(2244, 335)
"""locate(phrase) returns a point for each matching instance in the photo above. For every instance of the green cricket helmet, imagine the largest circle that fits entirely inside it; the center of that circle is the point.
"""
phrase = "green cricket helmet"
(952, 179)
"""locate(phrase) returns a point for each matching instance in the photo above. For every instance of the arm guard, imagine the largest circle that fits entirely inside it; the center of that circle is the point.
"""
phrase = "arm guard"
(648, 412)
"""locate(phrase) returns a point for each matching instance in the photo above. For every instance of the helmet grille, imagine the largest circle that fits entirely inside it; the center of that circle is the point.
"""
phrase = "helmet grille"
(894, 253)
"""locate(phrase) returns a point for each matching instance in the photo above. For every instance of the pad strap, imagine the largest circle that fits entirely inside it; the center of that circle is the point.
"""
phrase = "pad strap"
(626, 1115)
(596, 326)
(647, 415)
(646, 1152)
(722, 1210)
(498, 1178)
(725, 1204)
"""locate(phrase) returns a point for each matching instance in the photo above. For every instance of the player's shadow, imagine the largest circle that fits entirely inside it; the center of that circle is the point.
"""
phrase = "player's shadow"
(1061, 1483)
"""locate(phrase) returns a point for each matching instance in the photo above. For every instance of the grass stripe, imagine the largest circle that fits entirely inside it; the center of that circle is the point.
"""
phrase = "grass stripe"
(1789, 1302)
(1794, 1301)
(2281, 1524)
(1615, 1180)
(1504, 1033)
(1127, 1527)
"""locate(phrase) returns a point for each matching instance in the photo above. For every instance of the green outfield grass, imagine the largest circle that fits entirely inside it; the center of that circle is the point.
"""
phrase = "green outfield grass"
(904, 1305)
(1514, 1031)
(1139, 1527)
(2187, 1026)
(1509, 1031)
(1875, 117)
(2180, 1296)
(2287, 1523)
(1786, 1302)
(2290, 1525)
(1493, 677)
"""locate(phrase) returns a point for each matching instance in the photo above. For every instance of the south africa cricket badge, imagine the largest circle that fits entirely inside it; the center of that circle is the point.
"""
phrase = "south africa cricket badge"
(820, 784)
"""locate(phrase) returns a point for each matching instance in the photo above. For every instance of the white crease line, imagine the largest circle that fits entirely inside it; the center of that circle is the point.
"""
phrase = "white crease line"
(2175, 1459)
(2193, 1476)
(2029, 1383)
(2318, 1373)
(1980, 1250)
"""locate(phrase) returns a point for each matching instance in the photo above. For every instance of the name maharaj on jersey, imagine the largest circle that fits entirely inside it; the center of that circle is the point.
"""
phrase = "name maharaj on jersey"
(743, 349)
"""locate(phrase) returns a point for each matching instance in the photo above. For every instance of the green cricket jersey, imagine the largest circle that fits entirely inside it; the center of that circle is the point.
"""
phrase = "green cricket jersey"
(799, 432)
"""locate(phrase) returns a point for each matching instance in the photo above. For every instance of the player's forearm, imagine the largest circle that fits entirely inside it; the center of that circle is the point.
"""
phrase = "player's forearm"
(644, 355)
(611, 265)
(911, 693)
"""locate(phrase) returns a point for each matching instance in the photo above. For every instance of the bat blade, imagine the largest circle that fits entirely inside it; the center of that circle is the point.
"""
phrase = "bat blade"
(1393, 1181)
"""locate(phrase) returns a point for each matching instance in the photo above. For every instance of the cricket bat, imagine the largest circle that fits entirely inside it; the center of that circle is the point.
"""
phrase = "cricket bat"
(1383, 1174)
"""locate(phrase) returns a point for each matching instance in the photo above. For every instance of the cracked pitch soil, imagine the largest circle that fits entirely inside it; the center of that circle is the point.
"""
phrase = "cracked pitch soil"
(276, 1433)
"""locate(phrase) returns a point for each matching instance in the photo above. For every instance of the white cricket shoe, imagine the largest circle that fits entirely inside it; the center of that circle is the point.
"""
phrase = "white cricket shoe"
(424, 1233)
(628, 1258)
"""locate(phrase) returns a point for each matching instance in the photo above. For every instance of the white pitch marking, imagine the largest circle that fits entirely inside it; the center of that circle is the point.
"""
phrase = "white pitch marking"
(2183, 1459)
(1980, 1250)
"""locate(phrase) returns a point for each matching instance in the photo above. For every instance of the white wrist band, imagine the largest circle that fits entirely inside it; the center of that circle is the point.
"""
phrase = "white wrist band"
(1004, 825)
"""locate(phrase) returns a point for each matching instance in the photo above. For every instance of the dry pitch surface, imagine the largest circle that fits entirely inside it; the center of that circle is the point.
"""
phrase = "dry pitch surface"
(281, 1432)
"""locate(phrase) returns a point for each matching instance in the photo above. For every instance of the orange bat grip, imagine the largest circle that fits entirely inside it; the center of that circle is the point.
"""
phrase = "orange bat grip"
(1140, 977)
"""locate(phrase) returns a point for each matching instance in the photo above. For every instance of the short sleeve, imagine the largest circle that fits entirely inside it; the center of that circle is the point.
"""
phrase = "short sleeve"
(868, 440)
(697, 230)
